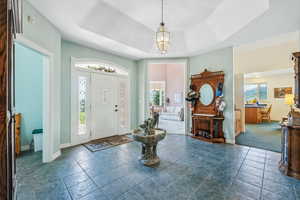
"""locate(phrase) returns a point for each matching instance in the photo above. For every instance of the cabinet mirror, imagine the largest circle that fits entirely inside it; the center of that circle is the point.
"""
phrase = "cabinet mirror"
(206, 94)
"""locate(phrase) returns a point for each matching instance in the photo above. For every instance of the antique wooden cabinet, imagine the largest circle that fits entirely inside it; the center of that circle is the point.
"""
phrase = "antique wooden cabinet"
(290, 151)
(207, 119)
(296, 59)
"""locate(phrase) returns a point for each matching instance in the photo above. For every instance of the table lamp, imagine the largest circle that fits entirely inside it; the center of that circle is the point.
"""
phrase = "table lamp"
(289, 100)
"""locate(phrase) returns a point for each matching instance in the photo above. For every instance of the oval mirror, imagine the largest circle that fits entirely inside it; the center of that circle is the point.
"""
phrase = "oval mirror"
(206, 94)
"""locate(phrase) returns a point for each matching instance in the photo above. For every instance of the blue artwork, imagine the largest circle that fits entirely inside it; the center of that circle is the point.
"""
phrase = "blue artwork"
(219, 91)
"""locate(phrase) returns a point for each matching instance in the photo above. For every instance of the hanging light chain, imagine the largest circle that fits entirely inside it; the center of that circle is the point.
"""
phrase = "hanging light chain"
(162, 35)
(162, 11)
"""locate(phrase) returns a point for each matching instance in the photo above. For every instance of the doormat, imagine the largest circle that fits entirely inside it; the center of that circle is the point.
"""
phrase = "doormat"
(108, 142)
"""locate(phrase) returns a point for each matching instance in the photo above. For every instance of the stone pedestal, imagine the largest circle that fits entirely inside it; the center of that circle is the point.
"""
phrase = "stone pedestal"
(149, 146)
(149, 155)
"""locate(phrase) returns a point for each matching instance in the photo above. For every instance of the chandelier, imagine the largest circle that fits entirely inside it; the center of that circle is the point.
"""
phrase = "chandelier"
(162, 35)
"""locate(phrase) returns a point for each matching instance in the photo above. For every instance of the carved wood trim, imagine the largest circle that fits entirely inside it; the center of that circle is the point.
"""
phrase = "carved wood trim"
(211, 78)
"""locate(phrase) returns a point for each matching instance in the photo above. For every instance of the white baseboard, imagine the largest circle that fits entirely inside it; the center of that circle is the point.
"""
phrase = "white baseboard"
(229, 141)
(56, 155)
(66, 145)
(25, 147)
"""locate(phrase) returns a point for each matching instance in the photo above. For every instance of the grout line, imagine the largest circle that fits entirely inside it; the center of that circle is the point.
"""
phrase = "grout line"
(262, 182)
(67, 189)
(103, 185)
(238, 171)
(97, 187)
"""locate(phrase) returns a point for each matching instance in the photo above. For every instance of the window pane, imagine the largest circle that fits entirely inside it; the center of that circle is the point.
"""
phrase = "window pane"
(82, 89)
(123, 102)
(263, 91)
(251, 92)
(156, 97)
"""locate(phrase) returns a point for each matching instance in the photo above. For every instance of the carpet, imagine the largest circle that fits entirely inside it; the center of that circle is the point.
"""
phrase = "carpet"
(264, 136)
(104, 143)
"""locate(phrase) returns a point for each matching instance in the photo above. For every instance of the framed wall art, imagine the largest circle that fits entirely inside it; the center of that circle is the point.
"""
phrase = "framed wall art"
(281, 92)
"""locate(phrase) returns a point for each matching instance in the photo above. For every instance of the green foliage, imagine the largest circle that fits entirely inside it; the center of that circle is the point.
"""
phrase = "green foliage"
(156, 97)
(82, 117)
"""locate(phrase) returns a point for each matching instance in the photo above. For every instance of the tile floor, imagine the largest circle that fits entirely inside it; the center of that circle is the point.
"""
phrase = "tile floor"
(189, 169)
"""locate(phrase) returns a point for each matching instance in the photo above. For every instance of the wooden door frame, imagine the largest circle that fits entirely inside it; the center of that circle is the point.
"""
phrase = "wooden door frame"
(48, 74)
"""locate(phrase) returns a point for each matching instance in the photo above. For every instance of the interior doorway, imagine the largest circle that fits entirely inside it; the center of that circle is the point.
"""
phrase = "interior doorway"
(166, 92)
(32, 98)
(100, 101)
(267, 100)
(264, 85)
(28, 99)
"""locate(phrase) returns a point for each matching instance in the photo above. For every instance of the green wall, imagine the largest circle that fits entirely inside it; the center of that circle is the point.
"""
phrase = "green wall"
(142, 94)
(45, 35)
(70, 49)
(217, 60)
(28, 90)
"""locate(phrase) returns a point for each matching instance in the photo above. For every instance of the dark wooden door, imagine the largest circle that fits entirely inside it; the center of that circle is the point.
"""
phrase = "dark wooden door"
(5, 119)
(10, 24)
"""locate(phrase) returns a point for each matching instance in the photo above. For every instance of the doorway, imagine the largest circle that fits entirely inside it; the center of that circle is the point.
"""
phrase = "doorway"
(33, 97)
(166, 92)
(266, 103)
(264, 85)
(100, 101)
(28, 99)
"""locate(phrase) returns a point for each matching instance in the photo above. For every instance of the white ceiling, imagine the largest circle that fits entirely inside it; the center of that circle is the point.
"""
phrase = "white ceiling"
(288, 71)
(178, 15)
(128, 27)
(267, 55)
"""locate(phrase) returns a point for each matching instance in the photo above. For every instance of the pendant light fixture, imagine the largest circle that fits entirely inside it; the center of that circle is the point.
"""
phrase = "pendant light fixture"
(162, 35)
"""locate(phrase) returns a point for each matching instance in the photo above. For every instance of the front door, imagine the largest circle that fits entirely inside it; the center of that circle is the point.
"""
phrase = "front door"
(104, 107)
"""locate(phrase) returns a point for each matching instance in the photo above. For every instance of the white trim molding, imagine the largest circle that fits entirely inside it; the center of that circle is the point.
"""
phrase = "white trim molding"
(183, 61)
(48, 97)
(56, 155)
(66, 145)
(229, 141)
(74, 73)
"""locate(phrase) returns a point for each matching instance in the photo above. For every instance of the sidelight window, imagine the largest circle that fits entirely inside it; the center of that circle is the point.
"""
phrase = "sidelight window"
(82, 91)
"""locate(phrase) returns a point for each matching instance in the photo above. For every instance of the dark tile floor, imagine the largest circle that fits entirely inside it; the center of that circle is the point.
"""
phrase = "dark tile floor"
(189, 169)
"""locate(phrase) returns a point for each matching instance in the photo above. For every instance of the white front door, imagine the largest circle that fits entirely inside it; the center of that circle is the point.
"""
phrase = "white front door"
(80, 105)
(104, 107)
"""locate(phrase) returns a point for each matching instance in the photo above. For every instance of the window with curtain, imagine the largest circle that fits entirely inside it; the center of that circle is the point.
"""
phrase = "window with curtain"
(258, 91)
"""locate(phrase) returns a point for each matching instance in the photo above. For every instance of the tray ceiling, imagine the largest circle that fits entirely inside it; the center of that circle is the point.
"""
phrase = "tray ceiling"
(128, 27)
